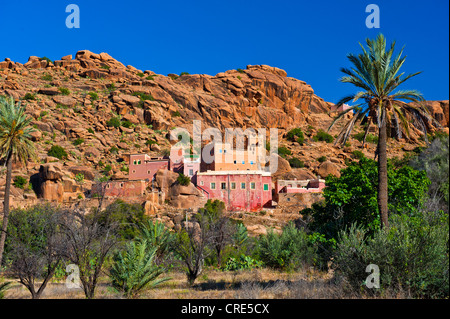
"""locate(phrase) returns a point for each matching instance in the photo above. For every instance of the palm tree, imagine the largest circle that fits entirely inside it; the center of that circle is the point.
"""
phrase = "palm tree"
(15, 145)
(376, 72)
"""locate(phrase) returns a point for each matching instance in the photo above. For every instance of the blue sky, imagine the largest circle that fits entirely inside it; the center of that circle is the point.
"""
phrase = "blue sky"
(308, 39)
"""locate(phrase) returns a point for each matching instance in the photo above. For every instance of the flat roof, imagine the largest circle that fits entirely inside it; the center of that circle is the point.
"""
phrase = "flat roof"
(243, 172)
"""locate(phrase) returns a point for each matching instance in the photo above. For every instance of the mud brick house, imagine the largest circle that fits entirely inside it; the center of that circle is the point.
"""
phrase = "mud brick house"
(144, 167)
(240, 190)
(283, 188)
(120, 189)
(226, 158)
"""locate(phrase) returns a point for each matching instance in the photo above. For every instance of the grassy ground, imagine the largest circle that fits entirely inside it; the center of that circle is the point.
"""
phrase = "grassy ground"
(260, 283)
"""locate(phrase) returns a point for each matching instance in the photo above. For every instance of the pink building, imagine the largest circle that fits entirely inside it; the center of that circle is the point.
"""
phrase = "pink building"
(191, 165)
(145, 167)
(239, 190)
(120, 189)
(300, 186)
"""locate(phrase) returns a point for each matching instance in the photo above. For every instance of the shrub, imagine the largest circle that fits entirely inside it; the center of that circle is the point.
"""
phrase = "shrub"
(64, 91)
(143, 96)
(150, 77)
(19, 182)
(176, 114)
(113, 122)
(90, 130)
(412, 255)
(93, 95)
(288, 250)
(126, 124)
(79, 178)
(243, 262)
(114, 150)
(58, 152)
(183, 179)
(284, 151)
(323, 136)
(240, 70)
(156, 235)
(47, 77)
(352, 198)
(46, 59)
(29, 97)
(78, 141)
(134, 270)
(140, 74)
(296, 163)
(322, 159)
(370, 138)
(184, 73)
(358, 154)
(296, 135)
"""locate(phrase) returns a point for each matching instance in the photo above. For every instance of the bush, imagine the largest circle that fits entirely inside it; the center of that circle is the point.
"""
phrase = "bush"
(126, 124)
(29, 97)
(358, 154)
(183, 179)
(352, 198)
(113, 122)
(90, 130)
(289, 250)
(296, 135)
(64, 91)
(78, 141)
(58, 152)
(323, 136)
(134, 270)
(412, 256)
(322, 159)
(19, 182)
(296, 163)
(47, 77)
(93, 95)
(184, 73)
(284, 151)
(243, 262)
(370, 138)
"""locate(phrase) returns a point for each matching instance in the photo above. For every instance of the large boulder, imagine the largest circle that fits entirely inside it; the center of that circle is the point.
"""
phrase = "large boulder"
(165, 179)
(52, 191)
(51, 171)
(189, 190)
(328, 168)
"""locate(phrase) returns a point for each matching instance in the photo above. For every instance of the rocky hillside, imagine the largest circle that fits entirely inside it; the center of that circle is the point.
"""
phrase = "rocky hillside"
(99, 111)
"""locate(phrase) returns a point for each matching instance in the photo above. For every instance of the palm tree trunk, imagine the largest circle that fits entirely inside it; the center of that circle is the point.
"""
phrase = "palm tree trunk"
(6, 205)
(382, 175)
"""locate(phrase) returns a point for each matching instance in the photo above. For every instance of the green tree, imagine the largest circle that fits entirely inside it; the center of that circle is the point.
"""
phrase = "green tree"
(376, 72)
(134, 270)
(352, 198)
(15, 144)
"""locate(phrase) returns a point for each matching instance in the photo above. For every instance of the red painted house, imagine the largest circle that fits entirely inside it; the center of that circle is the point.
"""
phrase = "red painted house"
(239, 190)
(145, 167)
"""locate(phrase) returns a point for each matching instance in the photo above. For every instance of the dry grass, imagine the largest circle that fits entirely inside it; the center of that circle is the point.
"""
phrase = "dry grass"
(214, 284)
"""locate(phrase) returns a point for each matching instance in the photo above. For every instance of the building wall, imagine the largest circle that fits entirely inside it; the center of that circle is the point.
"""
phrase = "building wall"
(228, 159)
(247, 199)
(144, 167)
(120, 189)
(299, 186)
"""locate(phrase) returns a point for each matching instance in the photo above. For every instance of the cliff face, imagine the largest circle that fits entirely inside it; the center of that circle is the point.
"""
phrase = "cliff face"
(72, 100)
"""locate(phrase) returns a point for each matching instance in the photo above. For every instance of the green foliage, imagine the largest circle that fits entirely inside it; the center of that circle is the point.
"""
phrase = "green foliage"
(184, 73)
(4, 286)
(150, 77)
(434, 160)
(47, 77)
(58, 152)
(322, 136)
(64, 91)
(352, 198)
(114, 150)
(243, 262)
(90, 130)
(176, 114)
(296, 135)
(46, 59)
(240, 70)
(113, 122)
(29, 97)
(126, 124)
(93, 95)
(128, 216)
(79, 178)
(289, 250)
(296, 163)
(134, 270)
(140, 74)
(358, 154)
(284, 151)
(183, 179)
(78, 141)
(157, 236)
(322, 159)
(144, 96)
(20, 182)
(370, 138)
(412, 255)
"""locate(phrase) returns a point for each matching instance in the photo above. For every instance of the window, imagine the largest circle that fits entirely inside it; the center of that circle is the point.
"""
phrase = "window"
(149, 172)
(251, 162)
(220, 151)
(242, 185)
(191, 172)
(139, 162)
(233, 185)
(234, 162)
(213, 185)
(202, 183)
(121, 185)
(243, 162)
(266, 187)
(134, 162)
(252, 185)
(134, 171)
(223, 185)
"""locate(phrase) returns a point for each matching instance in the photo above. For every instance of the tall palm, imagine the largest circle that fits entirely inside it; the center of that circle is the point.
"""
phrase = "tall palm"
(15, 145)
(376, 72)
